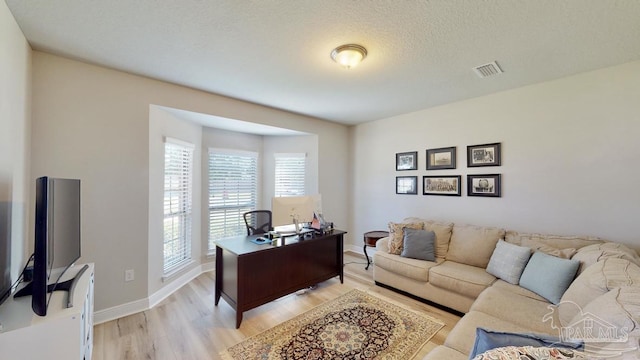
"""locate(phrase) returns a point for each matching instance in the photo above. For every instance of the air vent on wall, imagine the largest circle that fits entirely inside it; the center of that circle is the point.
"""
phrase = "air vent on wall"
(487, 70)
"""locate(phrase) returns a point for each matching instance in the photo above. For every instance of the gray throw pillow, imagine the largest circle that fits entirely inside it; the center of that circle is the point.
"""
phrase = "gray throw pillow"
(419, 244)
(508, 261)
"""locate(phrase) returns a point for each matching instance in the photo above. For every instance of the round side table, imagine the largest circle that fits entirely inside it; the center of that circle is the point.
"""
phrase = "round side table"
(370, 239)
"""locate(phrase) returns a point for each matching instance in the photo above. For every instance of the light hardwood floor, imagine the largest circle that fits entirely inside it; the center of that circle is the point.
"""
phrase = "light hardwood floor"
(187, 325)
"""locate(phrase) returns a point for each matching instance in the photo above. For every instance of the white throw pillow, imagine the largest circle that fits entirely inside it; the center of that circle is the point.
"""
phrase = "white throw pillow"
(508, 261)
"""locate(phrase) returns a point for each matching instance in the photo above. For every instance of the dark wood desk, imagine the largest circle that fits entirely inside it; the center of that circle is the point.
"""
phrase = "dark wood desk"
(249, 275)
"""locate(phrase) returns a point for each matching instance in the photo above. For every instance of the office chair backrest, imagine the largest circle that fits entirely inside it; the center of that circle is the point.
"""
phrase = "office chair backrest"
(258, 222)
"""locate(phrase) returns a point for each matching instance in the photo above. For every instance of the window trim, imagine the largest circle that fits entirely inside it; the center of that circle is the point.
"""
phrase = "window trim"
(185, 216)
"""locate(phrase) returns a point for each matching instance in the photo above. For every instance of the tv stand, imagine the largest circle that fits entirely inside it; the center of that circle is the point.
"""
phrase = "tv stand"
(64, 333)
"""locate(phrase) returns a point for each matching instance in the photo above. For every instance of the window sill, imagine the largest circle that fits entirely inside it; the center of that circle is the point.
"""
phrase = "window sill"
(177, 270)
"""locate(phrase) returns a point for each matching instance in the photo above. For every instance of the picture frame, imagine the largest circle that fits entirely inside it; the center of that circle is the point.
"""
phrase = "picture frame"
(483, 155)
(447, 185)
(407, 185)
(488, 185)
(407, 161)
(442, 158)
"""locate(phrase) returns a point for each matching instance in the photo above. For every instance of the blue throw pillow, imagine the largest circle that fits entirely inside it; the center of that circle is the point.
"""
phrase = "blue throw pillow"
(548, 276)
(488, 339)
(419, 244)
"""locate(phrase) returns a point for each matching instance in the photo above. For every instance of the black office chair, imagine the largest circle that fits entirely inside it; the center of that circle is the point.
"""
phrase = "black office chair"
(258, 222)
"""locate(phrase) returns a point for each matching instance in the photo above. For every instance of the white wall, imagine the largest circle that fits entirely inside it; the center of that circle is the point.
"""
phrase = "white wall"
(569, 158)
(92, 123)
(15, 122)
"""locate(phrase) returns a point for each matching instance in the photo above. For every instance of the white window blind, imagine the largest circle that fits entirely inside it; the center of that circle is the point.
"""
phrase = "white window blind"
(290, 172)
(233, 190)
(178, 169)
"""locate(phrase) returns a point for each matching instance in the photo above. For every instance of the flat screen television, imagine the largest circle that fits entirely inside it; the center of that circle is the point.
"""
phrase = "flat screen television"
(56, 241)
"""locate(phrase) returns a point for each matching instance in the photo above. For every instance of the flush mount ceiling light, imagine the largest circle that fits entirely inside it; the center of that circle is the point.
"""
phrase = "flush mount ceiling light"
(349, 55)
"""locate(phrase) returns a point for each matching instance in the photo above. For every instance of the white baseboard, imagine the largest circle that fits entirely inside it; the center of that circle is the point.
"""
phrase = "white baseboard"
(174, 285)
(208, 266)
(119, 311)
(137, 306)
(356, 249)
(359, 250)
(154, 299)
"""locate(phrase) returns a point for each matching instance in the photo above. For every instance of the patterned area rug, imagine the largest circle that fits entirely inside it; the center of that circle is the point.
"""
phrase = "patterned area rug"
(356, 325)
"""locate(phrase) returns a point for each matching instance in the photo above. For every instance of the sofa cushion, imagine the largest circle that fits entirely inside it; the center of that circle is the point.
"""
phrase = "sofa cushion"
(508, 261)
(443, 236)
(473, 245)
(534, 241)
(419, 244)
(487, 340)
(595, 281)
(411, 268)
(382, 245)
(396, 235)
(589, 255)
(550, 250)
(609, 319)
(460, 278)
(537, 315)
(462, 336)
(518, 290)
(445, 353)
(548, 276)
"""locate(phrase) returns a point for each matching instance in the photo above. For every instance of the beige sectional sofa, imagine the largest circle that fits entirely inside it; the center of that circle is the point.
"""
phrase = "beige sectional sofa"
(600, 307)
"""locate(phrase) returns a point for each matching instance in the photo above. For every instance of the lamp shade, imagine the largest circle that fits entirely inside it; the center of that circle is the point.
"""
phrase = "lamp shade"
(349, 55)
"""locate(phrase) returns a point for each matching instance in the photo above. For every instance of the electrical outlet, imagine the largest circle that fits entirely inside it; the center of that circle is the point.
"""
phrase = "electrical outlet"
(128, 275)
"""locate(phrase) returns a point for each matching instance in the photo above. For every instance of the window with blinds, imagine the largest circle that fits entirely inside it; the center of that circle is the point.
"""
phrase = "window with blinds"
(290, 172)
(178, 170)
(233, 190)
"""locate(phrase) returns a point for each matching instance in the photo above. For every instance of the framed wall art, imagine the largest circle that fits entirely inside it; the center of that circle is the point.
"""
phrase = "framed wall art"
(483, 155)
(443, 158)
(484, 185)
(441, 185)
(407, 161)
(407, 185)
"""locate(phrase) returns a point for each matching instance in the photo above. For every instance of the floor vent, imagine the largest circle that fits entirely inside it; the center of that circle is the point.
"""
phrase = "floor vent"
(487, 70)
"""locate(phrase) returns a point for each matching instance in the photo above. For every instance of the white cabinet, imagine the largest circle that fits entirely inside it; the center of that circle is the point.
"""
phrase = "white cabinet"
(65, 333)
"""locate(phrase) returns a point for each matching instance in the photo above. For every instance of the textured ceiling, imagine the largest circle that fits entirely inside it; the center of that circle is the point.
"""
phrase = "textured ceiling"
(276, 53)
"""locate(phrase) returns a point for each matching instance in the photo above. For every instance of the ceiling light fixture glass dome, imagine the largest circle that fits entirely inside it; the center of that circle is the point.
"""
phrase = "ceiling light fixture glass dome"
(349, 55)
